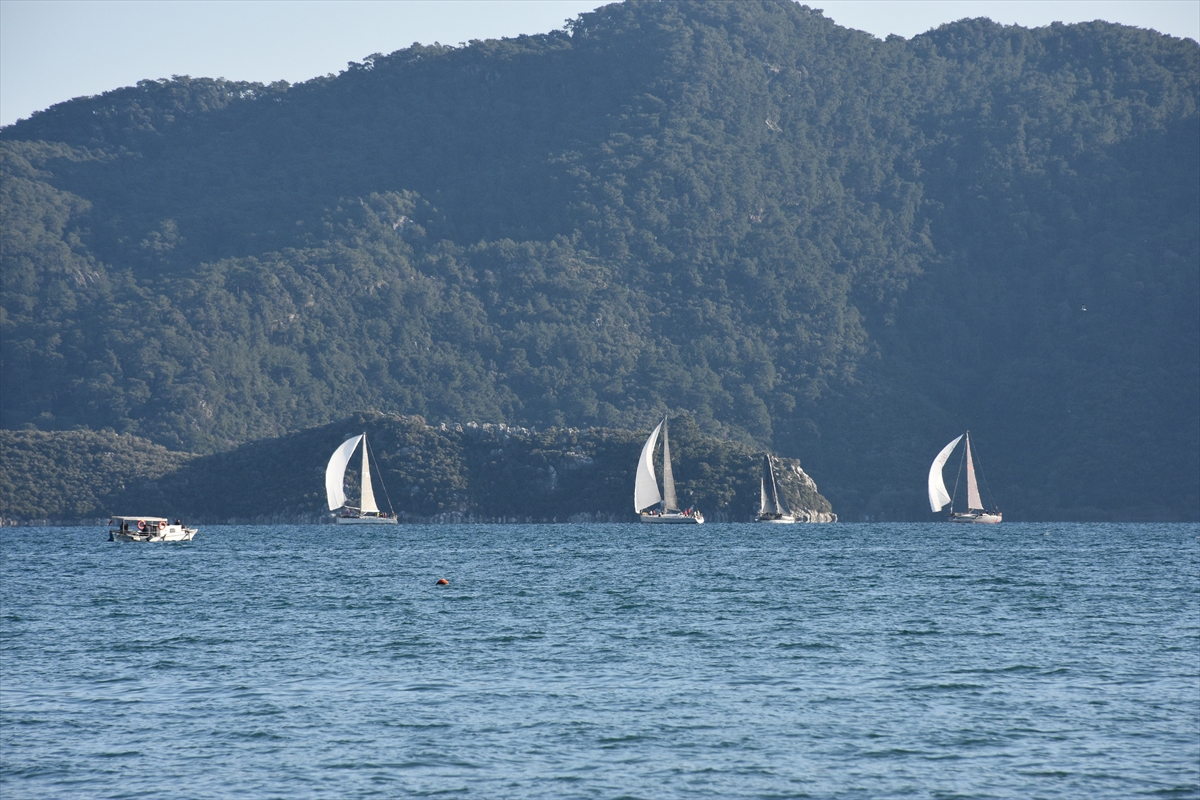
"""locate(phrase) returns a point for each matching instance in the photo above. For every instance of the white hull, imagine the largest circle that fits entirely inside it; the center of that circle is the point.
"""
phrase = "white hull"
(172, 533)
(367, 521)
(785, 519)
(981, 518)
(673, 519)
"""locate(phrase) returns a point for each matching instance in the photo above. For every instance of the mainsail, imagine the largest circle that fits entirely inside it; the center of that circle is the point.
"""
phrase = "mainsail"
(670, 502)
(769, 503)
(368, 492)
(645, 487)
(335, 472)
(938, 496)
(973, 501)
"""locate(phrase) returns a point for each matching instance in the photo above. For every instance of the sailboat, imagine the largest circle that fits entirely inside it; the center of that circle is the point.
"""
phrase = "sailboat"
(769, 507)
(939, 498)
(367, 512)
(645, 488)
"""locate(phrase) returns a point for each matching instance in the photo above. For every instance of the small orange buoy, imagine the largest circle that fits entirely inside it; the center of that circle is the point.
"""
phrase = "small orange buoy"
(443, 582)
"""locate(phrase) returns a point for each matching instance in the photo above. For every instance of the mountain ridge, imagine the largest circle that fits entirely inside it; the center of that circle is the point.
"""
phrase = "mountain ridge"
(424, 473)
(811, 240)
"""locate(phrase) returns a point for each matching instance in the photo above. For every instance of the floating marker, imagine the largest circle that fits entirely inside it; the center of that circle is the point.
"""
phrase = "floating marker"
(443, 582)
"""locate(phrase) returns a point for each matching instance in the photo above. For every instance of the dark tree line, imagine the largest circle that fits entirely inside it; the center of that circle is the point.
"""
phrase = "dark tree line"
(422, 472)
(811, 240)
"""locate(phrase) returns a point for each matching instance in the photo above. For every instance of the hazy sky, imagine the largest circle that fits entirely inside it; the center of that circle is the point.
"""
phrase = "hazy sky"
(54, 50)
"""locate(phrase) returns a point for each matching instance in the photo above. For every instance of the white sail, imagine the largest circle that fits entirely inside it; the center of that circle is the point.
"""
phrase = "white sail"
(670, 501)
(938, 496)
(764, 501)
(769, 493)
(645, 487)
(368, 492)
(973, 501)
(335, 472)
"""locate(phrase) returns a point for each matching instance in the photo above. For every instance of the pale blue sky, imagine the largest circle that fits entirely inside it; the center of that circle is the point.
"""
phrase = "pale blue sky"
(54, 50)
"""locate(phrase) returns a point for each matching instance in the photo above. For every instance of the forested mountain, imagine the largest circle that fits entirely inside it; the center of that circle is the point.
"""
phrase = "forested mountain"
(845, 249)
(423, 472)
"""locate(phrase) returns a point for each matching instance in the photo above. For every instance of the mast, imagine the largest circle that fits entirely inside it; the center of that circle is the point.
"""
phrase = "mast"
(774, 487)
(670, 503)
(762, 489)
(645, 487)
(973, 501)
(768, 502)
(368, 492)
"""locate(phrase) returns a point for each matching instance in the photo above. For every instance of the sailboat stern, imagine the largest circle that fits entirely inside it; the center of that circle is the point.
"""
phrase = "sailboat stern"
(672, 517)
(366, 520)
(977, 517)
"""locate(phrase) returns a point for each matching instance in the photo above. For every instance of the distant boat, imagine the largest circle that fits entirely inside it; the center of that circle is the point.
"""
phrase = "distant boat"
(939, 498)
(148, 529)
(367, 512)
(769, 507)
(645, 489)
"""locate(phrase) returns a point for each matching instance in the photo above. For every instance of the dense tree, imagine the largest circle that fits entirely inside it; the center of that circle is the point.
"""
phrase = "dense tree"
(807, 238)
(484, 472)
(70, 475)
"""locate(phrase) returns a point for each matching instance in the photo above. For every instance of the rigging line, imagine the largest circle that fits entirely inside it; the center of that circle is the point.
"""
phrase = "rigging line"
(779, 503)
(958, 477)
(986, 488)
(379, 469)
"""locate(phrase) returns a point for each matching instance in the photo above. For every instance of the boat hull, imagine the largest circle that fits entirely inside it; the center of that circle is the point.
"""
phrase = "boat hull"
(367, 520)
(781, 519)
(173, 533)
(672, 519)
(977, 518)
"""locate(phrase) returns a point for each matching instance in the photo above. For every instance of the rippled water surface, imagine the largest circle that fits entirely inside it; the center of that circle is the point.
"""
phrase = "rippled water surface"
(866, 661)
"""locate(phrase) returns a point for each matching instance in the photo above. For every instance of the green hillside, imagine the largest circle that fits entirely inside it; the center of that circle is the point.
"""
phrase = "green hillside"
(72, 475)
(842, 249)
(423, 472)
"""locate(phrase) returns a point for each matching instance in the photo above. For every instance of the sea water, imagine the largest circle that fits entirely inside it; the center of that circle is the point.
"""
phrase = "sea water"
(561, 661)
